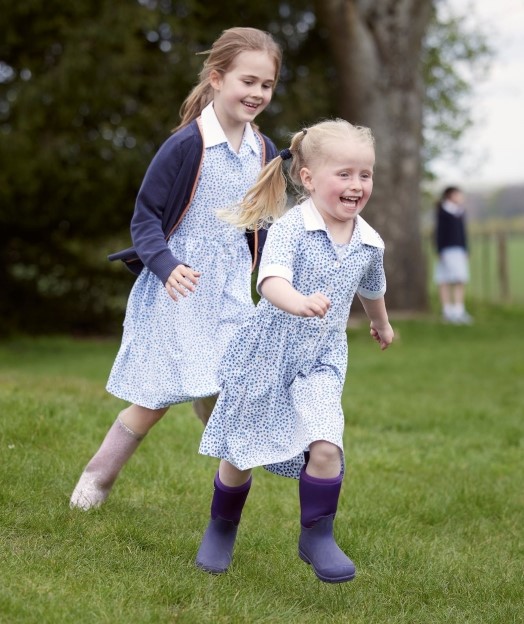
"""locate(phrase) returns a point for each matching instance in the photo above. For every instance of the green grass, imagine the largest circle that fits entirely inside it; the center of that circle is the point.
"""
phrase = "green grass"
(431, 509)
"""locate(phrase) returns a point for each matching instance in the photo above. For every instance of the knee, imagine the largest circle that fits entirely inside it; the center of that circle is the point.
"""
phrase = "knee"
(204, 407)
(141, 419)
(231, 476)
(325, 455)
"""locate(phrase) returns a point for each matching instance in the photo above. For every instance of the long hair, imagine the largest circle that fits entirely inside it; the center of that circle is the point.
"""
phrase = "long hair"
(267, 199)
(223, 52)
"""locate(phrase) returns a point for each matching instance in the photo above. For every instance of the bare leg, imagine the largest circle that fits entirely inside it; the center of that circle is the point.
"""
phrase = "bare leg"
(204, 406)
(461, 316)
(141, 419)
(324, 460)
(447, 301)
(231, 476)
(458, 294)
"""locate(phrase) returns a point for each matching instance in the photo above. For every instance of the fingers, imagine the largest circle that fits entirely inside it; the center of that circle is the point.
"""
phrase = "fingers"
(182, 281)
(317, 305)
(383, 341)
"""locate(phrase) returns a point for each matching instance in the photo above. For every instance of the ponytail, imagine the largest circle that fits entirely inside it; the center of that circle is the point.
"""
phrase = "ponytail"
(195, 103)
(264, 202)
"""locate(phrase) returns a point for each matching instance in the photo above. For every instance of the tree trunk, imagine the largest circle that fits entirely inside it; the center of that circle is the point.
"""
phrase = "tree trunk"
(377, 48)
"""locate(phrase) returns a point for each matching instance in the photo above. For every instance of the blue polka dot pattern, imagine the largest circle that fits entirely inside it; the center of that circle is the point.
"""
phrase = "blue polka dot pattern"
(170, 350)
(282, 376)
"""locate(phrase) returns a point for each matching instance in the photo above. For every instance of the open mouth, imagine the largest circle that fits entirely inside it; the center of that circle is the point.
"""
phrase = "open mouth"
(250, 105)
(350, 202)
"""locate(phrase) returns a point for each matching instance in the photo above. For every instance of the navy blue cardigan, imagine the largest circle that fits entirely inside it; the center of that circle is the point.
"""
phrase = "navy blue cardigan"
(450, 230)
(165, 196)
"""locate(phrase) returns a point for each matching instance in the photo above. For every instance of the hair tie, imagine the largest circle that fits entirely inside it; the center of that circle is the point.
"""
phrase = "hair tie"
(286, 154)
(304, 132)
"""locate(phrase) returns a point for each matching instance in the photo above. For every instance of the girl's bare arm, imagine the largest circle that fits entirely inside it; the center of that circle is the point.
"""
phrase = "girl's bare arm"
(281, 294)
(380, 329)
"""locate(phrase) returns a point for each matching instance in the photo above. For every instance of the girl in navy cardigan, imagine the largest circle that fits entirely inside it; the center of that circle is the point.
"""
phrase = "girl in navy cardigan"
(193, 288)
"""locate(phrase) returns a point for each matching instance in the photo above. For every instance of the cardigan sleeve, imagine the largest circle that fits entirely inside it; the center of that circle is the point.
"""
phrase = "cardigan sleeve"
(154, 198)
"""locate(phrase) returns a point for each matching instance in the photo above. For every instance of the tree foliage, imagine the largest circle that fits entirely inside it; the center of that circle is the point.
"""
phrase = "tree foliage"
(88, 92)
(456, 57)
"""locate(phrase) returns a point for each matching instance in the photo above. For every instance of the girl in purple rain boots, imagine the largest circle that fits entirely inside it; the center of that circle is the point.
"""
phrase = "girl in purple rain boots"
(316, 546)
(282, 375)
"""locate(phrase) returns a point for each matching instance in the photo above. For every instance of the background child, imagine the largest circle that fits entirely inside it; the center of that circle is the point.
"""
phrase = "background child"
(282, 376)
(452, 269)
(172, 343)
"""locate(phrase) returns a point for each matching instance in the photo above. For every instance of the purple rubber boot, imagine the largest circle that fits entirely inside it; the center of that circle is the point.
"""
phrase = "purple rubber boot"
(317, 546)
(216, 550)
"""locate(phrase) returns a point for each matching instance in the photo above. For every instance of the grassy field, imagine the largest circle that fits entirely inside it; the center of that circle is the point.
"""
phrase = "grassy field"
(431, 509)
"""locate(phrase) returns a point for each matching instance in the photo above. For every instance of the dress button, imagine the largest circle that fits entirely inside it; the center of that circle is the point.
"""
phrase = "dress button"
(337, 265)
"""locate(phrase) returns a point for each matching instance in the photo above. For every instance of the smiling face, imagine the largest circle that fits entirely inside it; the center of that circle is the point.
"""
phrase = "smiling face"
(244, 91)
(340, 179)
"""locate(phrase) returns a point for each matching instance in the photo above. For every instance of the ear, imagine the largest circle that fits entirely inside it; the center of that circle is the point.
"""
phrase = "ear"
(215, 80)
(306, 179)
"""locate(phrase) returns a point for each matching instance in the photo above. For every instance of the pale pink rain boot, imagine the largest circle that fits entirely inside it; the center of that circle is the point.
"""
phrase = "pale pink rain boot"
(98, 477)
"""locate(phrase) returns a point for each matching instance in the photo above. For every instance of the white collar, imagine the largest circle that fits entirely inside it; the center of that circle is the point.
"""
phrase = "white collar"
(452, 208)
(214, 134)
(313, 221)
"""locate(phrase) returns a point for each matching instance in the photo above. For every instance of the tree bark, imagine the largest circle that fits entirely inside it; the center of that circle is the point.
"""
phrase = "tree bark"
(376, 46)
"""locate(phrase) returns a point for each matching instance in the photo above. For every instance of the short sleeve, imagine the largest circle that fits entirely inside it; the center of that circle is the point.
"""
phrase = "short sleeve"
(373, 283)
(279, 251)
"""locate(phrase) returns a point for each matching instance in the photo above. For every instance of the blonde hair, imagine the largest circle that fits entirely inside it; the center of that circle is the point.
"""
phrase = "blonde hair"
(223, 52)
(267, 199)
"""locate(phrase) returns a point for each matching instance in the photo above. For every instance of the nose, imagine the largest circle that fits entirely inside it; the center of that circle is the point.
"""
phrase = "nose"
(355, 183)
(256, 90)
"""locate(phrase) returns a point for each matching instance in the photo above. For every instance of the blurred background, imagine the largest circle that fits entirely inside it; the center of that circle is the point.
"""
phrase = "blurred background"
(90, 89)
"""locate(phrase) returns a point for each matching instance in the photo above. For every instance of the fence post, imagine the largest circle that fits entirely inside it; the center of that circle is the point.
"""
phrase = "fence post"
(502, 265)
(484, 271)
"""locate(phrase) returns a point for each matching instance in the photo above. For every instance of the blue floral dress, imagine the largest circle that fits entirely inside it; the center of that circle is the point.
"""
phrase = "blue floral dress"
(282, 376)
(170, 350)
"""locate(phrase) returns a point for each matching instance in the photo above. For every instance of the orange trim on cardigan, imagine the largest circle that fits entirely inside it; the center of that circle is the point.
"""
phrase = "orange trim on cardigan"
(195, 183)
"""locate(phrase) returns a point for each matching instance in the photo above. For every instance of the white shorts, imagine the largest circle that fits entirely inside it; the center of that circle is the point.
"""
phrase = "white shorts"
(452, 266)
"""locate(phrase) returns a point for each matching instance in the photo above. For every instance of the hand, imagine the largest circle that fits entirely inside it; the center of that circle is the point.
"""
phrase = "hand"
(183, 280)
(383, 334)
(316, 304)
